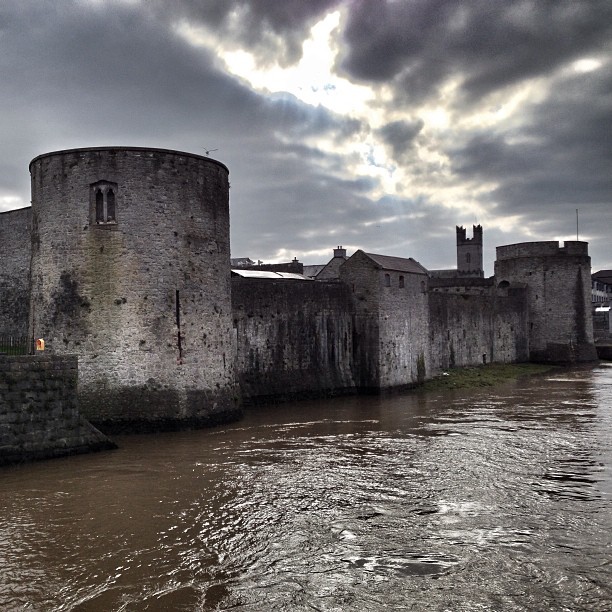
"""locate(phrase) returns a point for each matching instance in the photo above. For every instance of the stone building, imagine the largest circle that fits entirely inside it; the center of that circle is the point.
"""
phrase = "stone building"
(601, 287)
(331, 270)
(130, 271)
(469, 256)
(469, 253)
(391, 319)
(559, 296)
(123, 260)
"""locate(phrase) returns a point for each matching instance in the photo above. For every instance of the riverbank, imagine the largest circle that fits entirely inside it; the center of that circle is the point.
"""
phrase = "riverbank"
(483, 376)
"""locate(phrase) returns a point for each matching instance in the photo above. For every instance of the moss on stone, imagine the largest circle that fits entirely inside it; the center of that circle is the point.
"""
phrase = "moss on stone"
(483, 376)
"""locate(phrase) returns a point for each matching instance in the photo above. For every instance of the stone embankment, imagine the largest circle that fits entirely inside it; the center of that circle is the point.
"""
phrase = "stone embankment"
(39, 417)
(604, 348)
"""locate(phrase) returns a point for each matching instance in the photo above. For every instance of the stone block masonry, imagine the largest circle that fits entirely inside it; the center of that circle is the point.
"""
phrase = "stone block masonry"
(294, 338)
(130, 271)
(558, 280)
(478, 326)
(124, 259)
(39, 416)
(15, 252)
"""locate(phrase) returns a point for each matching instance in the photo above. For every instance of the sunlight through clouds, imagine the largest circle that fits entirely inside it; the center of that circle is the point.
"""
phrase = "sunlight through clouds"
(374, 122)
(314, 81)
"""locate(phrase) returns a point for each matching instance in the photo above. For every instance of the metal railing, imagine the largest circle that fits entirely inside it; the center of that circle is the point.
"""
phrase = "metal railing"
(15, 345)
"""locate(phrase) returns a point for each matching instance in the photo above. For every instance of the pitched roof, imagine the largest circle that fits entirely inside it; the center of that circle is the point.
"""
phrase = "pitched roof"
(312, 270)
(399, 264)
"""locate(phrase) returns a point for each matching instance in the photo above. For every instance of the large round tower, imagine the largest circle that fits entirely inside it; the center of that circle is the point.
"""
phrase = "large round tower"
(559, 289)
(130, 271)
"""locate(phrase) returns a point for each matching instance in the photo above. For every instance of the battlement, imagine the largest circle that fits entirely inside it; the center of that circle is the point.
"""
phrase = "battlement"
(549, 248)
(476, 235)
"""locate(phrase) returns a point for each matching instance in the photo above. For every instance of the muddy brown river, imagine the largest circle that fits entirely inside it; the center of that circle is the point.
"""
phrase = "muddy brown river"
(496, 499)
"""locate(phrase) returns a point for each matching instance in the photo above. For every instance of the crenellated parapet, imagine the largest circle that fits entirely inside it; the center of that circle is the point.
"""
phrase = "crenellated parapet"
(469, 253)
(550, 248)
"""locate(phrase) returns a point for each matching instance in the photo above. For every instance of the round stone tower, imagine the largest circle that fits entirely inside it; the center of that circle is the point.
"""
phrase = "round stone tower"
(559, 290)
(130, 271)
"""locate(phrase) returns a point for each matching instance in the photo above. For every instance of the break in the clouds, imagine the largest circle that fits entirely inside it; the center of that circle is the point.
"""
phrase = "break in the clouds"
(371, 124)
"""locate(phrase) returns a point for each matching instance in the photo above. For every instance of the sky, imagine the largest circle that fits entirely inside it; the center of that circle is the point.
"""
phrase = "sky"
(372, 124)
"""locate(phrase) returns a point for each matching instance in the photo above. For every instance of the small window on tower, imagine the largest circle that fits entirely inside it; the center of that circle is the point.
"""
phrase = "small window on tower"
(103, 203)
(110, 205)
(468, 258)
(99, 206)
(387, 280)
(401, 282)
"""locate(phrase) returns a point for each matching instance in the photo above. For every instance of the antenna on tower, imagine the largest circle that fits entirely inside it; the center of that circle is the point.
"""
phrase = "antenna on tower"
(577, 239)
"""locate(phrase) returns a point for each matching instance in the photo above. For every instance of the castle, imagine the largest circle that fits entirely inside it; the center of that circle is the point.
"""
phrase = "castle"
(123, 259)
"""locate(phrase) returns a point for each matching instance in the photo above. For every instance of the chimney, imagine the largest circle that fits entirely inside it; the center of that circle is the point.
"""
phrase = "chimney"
(340, 252)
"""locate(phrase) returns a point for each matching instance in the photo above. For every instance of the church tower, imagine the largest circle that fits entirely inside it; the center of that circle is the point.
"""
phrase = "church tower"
(469, 253)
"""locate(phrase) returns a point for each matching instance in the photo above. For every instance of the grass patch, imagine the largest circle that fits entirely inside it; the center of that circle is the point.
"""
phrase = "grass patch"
(483, 376)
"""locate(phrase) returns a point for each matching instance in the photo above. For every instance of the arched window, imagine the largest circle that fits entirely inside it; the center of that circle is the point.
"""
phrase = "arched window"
(387, 280)
(401, 282)
(103, 203)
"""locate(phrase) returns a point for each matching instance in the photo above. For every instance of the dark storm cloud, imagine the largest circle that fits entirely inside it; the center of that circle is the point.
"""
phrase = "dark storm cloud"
(76, 74)
(79, 73)
(335, 213)
(400, 135)
(487, 44)
(273, 30)
(560, 156)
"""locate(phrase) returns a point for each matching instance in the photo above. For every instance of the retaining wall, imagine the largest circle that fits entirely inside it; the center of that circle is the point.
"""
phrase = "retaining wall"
(39, 415)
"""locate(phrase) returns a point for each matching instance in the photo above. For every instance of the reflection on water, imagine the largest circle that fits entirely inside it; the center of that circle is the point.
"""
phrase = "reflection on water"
(488, 500)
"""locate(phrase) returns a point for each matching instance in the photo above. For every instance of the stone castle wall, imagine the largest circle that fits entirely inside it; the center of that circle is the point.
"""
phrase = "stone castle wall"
(294, 338)
(548, 248)
(403, 320)
(129, 253)
(143, 298)
(470, 329)
(559, 281)
(39, 415)
(363, 283)
(15, 251)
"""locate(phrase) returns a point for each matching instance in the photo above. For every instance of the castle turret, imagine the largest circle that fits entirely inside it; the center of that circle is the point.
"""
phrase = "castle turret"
(469, 253)
(130, 271)
(559, 295)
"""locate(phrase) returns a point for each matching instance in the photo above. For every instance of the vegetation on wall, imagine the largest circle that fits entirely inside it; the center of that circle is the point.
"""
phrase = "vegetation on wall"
(483, 376)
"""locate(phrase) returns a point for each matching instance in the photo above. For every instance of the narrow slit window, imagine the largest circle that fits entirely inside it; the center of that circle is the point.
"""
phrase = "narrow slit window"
(99, 206)
(110, 205)
(387, 280)
(401, 282)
